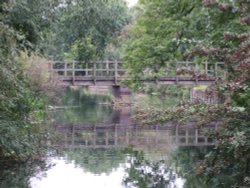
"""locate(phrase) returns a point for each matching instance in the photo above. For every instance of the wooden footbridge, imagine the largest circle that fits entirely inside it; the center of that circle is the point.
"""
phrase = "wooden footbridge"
(111, 73)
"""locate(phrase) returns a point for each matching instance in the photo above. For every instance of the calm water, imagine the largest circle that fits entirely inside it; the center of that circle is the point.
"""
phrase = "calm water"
(102, 148)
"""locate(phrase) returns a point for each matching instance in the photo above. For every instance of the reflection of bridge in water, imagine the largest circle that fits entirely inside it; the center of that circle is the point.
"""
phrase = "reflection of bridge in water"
(117, 135)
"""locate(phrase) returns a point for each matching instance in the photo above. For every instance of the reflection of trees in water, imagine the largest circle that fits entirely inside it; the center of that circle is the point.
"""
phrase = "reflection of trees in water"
(156, 145)
(82, 107)
(18, 176)
(187, 157)
(144, 173)
(97, 160)
(185, 160)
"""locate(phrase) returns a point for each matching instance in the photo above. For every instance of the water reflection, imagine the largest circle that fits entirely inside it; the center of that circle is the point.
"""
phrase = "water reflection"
(18, 175)
(100, 147)
(149, 156)
(117, 135)
(79, 106)
(116, 148)
(97, 161)
(67, 174)
(185, 161)
(142, 172)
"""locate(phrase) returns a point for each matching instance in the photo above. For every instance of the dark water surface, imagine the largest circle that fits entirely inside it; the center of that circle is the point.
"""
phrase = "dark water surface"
(102, 148)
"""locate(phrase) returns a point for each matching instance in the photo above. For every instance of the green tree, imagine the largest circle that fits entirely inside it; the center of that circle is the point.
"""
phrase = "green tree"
(20, 103)
(162, 34)
(79, 27)
(30, 20)
(211, 30)
(168, 31)
(86, 27)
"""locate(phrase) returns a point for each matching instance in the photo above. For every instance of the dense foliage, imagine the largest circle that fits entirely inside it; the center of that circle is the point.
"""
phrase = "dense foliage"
(161, 35)
(78, 30)
(83, 28)
(166, 31)
(20, 105)
(19, 175)
(208, 30)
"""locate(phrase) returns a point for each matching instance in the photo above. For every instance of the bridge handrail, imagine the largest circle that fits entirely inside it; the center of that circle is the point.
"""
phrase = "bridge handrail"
(114, 69)
(106, 66)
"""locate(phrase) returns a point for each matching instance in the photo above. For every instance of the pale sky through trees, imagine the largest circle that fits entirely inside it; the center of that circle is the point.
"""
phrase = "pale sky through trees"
(131, 2)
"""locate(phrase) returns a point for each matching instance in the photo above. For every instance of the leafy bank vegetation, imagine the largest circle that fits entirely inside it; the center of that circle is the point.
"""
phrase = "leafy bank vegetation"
(162, 32)
(168, 31)
(32, 33)
(21, 105)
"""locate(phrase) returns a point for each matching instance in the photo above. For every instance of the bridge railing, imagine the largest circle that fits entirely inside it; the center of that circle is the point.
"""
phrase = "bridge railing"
(186, 68)
(92, 69)
(112, 70)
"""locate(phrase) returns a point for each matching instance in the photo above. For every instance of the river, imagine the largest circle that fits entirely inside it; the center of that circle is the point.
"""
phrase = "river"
(99, 147)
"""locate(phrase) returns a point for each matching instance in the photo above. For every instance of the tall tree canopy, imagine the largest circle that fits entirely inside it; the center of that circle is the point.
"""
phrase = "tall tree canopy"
(209, 30)
(84, 28)
(29, 20)
(168, 30)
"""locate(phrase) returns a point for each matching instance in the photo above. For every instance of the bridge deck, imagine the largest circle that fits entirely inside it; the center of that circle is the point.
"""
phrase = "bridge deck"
(111, 73)
(112, 81)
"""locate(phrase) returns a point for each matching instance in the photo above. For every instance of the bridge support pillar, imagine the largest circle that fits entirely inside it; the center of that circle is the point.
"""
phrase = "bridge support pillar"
(116, 91)
(120, 92)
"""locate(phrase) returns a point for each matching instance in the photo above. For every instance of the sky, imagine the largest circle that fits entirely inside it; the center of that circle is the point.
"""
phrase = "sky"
(131, 2)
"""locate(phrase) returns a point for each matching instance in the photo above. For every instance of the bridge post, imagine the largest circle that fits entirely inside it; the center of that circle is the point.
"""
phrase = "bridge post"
(206, 67)
(65, 68)
(73, 136)
(51, 71)
(94, 73)
(107, 68)
(86, 70)
(116, 73)
(73, 73)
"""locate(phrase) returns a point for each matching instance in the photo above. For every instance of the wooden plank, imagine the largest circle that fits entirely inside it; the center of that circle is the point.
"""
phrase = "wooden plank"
(86, 70)
(73, 73)
(51, 72)
(116, 73)
(206, 67)
(216, 69)
(65, 69)
(107, 68)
